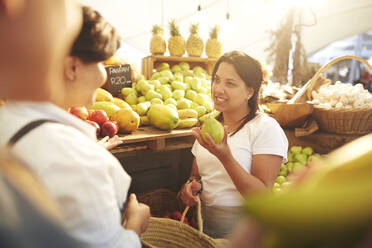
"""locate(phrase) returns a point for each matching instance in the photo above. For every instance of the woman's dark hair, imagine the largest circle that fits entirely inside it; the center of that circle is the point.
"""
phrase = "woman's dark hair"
(250, 71)
(97, 40)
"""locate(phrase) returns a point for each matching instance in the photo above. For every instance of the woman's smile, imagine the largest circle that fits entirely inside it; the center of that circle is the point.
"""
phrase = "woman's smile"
(220, 100)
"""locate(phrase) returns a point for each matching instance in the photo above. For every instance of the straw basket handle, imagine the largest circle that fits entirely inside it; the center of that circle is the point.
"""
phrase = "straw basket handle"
(308, 87)
(198, 213)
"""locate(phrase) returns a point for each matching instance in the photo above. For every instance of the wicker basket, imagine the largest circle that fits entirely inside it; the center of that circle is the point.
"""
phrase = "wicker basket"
(357, 121)
(168, 233)
(290, 115)
(340, 121)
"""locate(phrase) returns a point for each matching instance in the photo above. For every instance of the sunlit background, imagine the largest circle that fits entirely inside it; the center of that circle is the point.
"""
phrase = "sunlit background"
(333, 27)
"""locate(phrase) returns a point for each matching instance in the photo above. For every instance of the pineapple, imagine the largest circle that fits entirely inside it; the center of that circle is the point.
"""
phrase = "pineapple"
(194, 45)
(157, 44)
(213, 47)
(176, 43)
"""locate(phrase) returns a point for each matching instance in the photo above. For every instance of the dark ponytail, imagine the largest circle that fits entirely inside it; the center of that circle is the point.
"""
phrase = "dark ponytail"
(250, 71)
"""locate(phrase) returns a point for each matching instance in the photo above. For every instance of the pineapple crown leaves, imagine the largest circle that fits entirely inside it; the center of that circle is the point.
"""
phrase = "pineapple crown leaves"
(194, 28)
(157, 29)
(213, 34)
(174, 28)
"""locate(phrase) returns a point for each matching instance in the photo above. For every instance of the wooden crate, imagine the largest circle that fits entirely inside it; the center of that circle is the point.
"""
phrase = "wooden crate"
(149, 63)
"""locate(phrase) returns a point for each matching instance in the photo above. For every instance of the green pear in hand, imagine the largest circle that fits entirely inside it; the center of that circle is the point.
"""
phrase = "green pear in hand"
(214, 128)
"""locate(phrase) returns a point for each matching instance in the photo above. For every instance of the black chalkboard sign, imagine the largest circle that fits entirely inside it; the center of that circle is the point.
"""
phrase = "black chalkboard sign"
(118, 77)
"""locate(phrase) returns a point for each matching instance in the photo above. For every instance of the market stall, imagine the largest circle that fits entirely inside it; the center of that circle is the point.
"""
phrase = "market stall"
(155, 110)
(157, 149)
(312, 191)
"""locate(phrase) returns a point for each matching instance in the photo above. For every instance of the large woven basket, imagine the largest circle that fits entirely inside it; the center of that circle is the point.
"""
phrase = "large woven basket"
(340, 121)
(290, 115)
(168, 233)
(355, 121)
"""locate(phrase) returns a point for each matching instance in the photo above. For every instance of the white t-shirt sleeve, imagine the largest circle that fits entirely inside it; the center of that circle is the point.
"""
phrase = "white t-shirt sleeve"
(269, 138)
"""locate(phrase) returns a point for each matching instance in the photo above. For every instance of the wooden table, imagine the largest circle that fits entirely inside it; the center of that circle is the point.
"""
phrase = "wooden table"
(151, 138)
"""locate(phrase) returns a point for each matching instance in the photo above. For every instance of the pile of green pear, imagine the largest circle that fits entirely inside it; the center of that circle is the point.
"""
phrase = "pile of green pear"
(298, 158)
(177, 86)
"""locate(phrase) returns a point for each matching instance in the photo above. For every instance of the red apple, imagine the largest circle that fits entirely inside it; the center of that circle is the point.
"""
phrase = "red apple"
(95, 124)
(80, 112)
(109, 128)
(98, 116)
(116, 123)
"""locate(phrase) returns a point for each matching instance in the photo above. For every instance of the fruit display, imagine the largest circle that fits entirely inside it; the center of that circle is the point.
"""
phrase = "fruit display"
(214, 114)
(194, 44)
(103, 95)
(98, 116)
(127, 119)
(331, 207)
(157, 43)
(298, 158)
(176, 43)
(342, 96)
(186, 91)
(109, 115)
(98, 119)
(214, 128)
(109, 128)
(188, 118)
(121, 103)
(163, 117)
(80, 112)
(276, 92)
(109, 107)
(213, 47)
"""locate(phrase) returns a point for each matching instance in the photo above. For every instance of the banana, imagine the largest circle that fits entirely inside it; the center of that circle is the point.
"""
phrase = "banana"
(187, 113)
(188, 122)
(333, 204)
(214, 113)
(120, 103)
(109, 107)
(103, 95)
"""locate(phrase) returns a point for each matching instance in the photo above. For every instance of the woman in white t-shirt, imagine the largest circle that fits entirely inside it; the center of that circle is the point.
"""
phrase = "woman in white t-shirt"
(249, 157)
